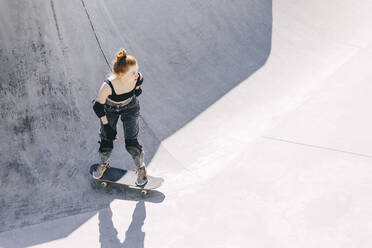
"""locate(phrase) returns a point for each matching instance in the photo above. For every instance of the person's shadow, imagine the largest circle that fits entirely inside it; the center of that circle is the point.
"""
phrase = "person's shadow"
(134, 236)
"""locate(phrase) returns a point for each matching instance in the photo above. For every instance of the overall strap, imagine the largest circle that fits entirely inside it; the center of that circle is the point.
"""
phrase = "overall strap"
(112, 87)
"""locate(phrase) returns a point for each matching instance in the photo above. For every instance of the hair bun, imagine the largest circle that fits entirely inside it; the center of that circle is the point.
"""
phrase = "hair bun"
(121, 54)
(122, 61)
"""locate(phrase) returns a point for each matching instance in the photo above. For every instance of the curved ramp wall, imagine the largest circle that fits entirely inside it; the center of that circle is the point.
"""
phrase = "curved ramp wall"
(54, 55)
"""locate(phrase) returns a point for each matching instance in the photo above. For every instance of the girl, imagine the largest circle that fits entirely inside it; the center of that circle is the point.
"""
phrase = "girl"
(117, 97)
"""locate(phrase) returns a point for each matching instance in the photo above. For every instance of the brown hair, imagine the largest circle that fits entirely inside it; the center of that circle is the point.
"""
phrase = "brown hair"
(123, 61)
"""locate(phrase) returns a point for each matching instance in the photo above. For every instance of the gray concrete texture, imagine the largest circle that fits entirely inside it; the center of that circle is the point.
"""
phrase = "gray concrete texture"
(254, 112)
(54, 55)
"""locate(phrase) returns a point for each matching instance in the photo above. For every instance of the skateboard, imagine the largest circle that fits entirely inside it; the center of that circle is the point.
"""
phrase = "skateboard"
(126, 178)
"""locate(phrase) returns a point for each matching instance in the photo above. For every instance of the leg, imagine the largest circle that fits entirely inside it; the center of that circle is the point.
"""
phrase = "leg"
(135, 149)
(106, 145)
(130, 121)
(105, 149)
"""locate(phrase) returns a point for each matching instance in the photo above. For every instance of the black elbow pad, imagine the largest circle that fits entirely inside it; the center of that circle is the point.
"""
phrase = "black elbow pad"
(99, 109)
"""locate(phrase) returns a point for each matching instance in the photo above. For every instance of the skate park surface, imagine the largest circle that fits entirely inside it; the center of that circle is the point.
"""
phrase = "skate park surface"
(254, 112)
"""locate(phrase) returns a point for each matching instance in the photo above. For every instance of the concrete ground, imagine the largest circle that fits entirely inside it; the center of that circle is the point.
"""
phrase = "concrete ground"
(254, 112)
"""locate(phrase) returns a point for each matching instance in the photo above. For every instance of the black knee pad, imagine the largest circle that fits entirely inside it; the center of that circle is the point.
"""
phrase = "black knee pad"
(105, 145)
(133, 147)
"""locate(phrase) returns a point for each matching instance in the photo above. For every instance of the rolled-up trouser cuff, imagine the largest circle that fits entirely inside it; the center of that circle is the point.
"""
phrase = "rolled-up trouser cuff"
(137, 154)
(105, 149)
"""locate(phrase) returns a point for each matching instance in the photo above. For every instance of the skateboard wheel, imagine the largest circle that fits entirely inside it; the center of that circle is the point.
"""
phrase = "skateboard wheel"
(104, 184)
(144, 192)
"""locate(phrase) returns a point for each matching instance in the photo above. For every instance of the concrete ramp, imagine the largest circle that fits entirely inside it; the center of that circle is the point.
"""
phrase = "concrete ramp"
(55, 55)
(254, 112)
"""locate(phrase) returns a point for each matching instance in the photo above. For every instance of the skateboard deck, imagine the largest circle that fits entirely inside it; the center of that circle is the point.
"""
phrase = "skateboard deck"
(126, 178)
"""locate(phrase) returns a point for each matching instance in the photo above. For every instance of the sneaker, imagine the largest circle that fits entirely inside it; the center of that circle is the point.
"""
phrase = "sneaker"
(101, 168)
(141, 176)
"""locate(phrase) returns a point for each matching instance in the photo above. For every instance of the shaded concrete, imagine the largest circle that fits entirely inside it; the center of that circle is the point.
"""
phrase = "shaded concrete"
(55, 54)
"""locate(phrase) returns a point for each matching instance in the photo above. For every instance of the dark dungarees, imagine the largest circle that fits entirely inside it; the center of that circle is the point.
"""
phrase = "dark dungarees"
(129, 115)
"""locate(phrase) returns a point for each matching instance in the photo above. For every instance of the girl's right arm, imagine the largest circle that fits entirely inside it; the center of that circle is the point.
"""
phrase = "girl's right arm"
(98, 107)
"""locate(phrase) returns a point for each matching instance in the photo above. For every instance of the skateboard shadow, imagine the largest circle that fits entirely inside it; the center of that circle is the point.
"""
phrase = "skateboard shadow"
(134, 236)
(61, 228)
